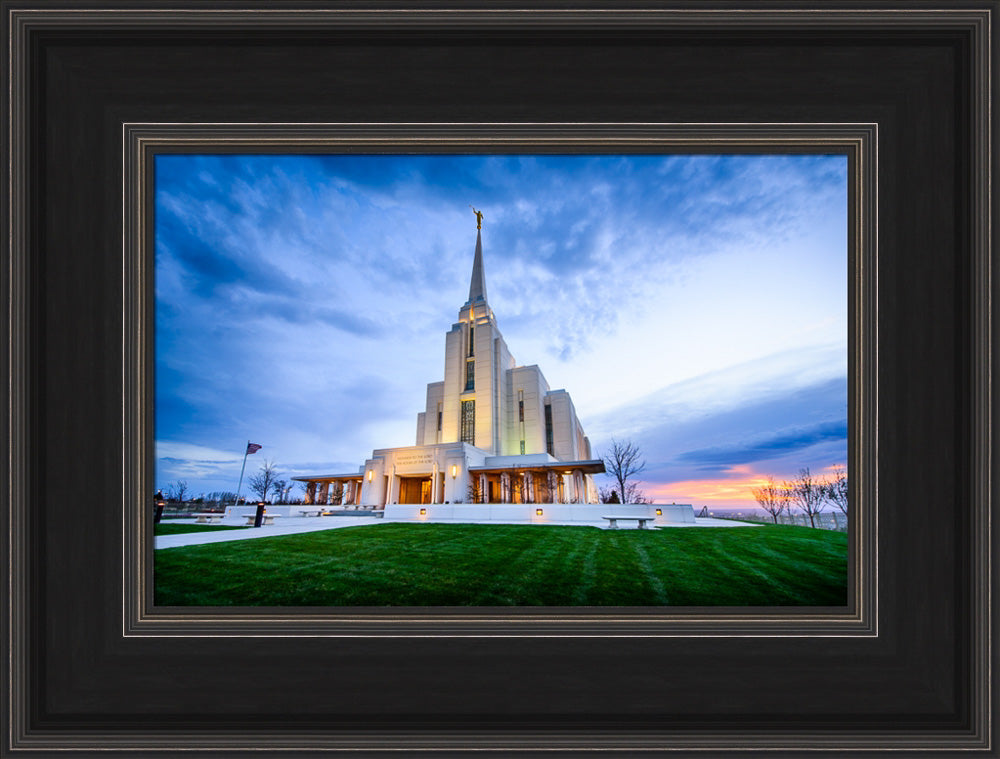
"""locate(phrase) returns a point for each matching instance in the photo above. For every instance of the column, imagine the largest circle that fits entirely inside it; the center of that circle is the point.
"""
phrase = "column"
(483, 488)
(505, 487)
(310, 492)
(324, 493)
(389, 486)
(526, 487)
(578, 495)
(434, 483)
(553, 487)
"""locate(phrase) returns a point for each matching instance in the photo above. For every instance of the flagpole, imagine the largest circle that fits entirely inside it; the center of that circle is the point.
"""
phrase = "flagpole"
(246, 452)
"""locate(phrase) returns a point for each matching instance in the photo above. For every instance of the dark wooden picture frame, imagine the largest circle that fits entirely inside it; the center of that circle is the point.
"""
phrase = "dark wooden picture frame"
(92, 669)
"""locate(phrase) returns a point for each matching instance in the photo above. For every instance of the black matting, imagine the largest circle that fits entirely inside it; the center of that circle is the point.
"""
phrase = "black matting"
(76, 685)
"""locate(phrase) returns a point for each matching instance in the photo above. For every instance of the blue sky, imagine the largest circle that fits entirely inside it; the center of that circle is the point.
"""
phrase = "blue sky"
(696, 305)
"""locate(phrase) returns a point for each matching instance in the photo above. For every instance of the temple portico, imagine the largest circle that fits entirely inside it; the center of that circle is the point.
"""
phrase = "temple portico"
(332, 489)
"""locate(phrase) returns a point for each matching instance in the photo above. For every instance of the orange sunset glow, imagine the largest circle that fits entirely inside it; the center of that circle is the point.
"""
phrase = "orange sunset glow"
(736, 489)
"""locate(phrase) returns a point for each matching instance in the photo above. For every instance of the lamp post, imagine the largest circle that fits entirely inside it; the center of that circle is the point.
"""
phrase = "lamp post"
(159, 507)
(259, 518)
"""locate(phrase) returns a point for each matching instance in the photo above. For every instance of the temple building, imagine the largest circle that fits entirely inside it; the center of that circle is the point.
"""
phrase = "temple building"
(491, 431)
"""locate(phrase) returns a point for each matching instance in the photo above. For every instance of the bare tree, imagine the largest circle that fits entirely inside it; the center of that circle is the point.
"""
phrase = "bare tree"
(772, 498)
(623, 462)
(520, 490)
(835, 490)
(177, 491)
(262, 482)
(221, 496)
(634, 495)
(278, 488)
(474, 493)
(336, 493)
(608, 495)
(544, 493)
(807, 494)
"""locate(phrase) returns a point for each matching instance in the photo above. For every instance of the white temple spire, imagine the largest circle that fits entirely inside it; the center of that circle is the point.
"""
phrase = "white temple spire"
(477, 288)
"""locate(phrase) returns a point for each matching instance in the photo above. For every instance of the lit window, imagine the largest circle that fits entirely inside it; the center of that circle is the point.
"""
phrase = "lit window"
(522, 447)
(470, 375)
(472, 340)
(520, 411)
(469, 422)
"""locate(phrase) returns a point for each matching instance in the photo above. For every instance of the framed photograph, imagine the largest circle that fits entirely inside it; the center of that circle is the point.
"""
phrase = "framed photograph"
(720, 246)
(229, 216)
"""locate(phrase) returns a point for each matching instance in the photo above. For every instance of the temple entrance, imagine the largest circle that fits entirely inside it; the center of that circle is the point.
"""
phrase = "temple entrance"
(414, 489)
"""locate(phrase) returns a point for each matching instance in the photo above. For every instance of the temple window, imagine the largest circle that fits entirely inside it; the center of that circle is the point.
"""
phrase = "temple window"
(549, 442)
(469, 422)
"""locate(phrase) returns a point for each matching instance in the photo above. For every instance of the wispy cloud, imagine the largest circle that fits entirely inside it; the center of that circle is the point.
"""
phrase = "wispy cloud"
(305, 298)
(769, 447)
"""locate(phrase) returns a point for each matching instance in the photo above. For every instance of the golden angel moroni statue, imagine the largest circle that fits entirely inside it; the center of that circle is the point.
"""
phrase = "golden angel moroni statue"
(479, 217)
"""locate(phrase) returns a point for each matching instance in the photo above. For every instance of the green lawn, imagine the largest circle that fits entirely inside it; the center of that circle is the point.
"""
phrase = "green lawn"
(511, 565)
(180, 529)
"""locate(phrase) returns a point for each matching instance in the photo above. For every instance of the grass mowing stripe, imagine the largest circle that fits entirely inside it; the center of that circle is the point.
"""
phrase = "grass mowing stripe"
(588, 573)
(659, 592)
(477, 565)
(790, 567)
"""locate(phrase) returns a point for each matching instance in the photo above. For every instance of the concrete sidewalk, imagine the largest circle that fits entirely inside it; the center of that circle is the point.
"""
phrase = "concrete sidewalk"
(290, 526)
(296, 525)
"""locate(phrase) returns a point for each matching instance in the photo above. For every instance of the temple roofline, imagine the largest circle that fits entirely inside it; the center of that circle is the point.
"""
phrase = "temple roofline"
(590, 466)
(313, 477)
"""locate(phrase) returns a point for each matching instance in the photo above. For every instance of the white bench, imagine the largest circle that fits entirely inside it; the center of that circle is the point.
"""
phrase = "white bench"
(266, 519)
(310, 512)
(614, 519)
(209, 517)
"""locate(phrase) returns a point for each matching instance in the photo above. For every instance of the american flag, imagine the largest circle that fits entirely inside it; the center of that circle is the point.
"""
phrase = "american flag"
(253, 448)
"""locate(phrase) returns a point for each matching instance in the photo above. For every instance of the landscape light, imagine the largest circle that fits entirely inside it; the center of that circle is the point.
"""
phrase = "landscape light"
(538, 512)
(370, 473)
(659, 512)
(454, 471)
(423, 512)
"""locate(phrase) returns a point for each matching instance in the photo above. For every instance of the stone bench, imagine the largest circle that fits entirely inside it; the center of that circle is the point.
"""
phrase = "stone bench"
(616, 518)
(208, 517)
(266, 519)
